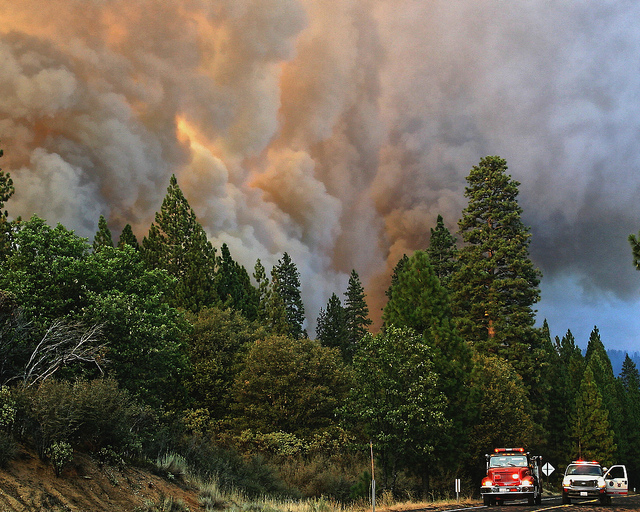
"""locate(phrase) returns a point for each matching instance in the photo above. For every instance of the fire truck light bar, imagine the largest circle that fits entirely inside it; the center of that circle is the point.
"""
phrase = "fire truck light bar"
(502, 450)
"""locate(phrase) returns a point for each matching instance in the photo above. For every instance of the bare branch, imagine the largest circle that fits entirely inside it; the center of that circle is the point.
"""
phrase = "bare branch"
(62, 345)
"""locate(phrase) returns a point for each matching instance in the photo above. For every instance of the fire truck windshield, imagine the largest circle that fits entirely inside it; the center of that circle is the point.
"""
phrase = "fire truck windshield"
(504, 461)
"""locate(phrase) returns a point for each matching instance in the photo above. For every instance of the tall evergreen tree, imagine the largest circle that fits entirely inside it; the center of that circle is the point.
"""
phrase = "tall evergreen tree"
(263, 283)
(128, 238)
(629, 381)
(442, 252)
(591, 431)
(234, 287)
(331, 328)
(286, 281)
(103, 235)
(394, 276)
(6, 191)
(496, 284)
(356, 311)
(598, 360)
(178, 244)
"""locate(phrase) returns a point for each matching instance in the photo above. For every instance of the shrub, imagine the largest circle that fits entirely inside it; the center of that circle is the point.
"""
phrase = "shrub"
(8, 449)
(60, 453)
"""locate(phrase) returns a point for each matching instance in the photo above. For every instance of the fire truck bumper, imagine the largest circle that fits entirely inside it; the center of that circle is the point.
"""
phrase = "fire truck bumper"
(507, 492)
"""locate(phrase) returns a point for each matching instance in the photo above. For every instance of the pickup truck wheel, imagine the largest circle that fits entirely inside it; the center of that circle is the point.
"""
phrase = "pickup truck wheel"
(605, 500)
(565, 499)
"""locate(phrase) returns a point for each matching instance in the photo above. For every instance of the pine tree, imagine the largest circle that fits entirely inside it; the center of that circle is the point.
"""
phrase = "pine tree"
(597, 359)
(178, 244)
(629, 381)
(635, 249)
(394, 277)
(128, 238)
(331, 328)
(591, 430)
(496, 283)
(260, 275)
(6, 191)
(234, 287)
(356, 312)
(103, 236)
(286, 281)
(442, 252)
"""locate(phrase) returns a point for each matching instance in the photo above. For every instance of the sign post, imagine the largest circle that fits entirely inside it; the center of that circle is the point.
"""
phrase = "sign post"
(547, 469)
(373, 481)
(457, 489)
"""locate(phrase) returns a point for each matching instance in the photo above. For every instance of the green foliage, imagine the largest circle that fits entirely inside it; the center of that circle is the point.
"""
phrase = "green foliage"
(8, 449)
(394, 276)
(356, 312)
(216, 342)
(234, 287)
(289, 385)
(442, 252)
(178, 244)
(331, 329)
(505, 411)
(128, 238)
(59, 453)
(286, 282)
(46, 272)
(496, 283)
(103, 236)
(591, 431)
(87, 414)
(6, 191)
(146, 337)
(396, 399)
(8, 408)
(635, 249)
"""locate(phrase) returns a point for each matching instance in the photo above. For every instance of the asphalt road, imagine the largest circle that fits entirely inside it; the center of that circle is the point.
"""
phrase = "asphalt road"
(618, 504)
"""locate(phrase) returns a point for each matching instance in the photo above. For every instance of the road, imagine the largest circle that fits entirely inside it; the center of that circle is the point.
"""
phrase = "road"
(629, 503)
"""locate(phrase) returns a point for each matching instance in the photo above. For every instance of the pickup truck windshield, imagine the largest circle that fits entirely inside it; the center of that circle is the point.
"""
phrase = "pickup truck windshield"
(579, 469)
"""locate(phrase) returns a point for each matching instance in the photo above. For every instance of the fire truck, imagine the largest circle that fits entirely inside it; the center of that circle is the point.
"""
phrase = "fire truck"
(512, 474)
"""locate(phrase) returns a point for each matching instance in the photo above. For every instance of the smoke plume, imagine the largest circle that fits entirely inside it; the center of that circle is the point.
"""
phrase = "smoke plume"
(335, 130)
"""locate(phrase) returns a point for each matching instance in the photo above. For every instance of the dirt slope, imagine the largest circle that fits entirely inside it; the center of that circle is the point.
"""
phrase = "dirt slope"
(28, 484)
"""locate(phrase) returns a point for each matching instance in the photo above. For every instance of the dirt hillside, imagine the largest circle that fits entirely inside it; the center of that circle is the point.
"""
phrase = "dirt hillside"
(28, 484)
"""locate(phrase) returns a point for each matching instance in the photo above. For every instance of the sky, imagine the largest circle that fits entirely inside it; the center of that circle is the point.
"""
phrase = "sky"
(337, 131)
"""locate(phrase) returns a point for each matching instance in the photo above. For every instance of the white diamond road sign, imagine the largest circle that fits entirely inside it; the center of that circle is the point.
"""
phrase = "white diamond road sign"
(547, 469)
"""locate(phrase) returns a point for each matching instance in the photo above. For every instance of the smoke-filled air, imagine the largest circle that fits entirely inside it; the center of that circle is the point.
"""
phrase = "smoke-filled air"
(336, 130)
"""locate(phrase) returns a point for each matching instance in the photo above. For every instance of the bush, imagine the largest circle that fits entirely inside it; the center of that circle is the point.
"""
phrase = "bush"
(60, 452)
(56, 410)
(8, 449)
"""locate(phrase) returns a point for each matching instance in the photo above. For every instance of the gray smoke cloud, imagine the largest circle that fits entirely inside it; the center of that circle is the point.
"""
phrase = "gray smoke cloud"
(336, 130)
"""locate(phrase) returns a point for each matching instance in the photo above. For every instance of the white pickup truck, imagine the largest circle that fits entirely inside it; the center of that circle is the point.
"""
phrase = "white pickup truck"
(588, 480)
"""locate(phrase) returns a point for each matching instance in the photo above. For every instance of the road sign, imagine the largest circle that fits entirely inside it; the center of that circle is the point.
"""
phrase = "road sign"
(547, 469)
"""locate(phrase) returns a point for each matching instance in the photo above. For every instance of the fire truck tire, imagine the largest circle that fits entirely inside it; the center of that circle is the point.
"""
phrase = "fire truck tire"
(538, 499)
(487, 501)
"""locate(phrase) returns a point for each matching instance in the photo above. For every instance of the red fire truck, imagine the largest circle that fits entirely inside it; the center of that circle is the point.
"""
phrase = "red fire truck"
(512, 474)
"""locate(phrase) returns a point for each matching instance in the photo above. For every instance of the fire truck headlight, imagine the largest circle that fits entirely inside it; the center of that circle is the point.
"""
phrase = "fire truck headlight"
(527, 480)
(486, 482)
(516, 476)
